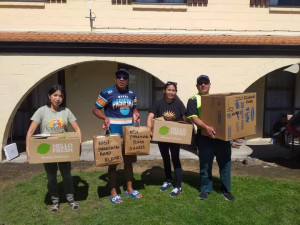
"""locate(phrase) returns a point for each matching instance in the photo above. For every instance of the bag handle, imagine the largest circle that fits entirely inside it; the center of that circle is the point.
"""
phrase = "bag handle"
(136, 124)
(107, 132)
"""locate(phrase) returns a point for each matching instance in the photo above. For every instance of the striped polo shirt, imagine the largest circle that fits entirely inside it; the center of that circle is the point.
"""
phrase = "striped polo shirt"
(118, 107)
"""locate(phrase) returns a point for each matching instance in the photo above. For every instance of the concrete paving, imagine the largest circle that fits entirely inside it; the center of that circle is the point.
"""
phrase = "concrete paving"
(255, 148)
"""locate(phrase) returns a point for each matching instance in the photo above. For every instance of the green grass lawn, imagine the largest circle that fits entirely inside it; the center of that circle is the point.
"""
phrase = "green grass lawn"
(258, 201)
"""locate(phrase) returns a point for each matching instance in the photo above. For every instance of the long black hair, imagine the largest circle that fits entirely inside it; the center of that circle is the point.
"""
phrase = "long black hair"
(54, 88)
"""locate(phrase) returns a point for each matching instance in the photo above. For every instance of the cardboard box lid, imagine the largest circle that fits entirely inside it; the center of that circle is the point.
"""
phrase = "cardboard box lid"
(64, 135)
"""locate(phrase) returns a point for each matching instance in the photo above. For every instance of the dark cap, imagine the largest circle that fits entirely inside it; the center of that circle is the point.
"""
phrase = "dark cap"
(202, 77)
(123, 72)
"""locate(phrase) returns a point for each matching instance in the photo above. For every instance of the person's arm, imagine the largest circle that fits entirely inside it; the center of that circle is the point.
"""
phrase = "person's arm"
(149, 122)
(192, 113)
(77, 129)
(30, 132)
(98, 113)
(149, 119)
(135, 115)
(199, 123)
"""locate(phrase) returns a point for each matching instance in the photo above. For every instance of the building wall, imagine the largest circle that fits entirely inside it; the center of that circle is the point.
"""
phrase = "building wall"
(86, 75)
(19, 74)
(230, 16)
(83, 85)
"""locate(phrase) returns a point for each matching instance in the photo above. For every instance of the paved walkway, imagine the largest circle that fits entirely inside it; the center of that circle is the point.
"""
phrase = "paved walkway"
(256, 148)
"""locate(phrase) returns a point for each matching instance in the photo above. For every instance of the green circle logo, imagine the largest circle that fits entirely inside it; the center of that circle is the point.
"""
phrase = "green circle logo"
(43, 148)
(163, 130)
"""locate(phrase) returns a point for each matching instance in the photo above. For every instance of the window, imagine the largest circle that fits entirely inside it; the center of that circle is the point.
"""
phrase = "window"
(29, 1)
(275, 3)
(285, 3)
(159, 1)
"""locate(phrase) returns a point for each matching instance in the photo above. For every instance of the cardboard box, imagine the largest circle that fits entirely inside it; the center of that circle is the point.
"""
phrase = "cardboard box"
(232, 115)
(172, 132)
(58, 147)
(107, 149)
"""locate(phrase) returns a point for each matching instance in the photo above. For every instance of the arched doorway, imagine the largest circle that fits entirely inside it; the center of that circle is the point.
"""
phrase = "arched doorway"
(83, 82)
(278, 92)
(281, 97)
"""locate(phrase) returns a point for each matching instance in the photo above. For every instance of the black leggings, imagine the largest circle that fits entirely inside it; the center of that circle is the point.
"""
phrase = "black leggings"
(65, 170)
(164, 149)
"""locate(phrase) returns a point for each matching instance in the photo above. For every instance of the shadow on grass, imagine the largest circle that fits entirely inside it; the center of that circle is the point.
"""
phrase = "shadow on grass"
(81, 190)
(104, 191)
(282, 156)
(155, 176)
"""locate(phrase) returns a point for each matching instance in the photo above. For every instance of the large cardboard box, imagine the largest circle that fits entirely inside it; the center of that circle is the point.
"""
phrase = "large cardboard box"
(172, 132)
(232, 115)
(58, 147)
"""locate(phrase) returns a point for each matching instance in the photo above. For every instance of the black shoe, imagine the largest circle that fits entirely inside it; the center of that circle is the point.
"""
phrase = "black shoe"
(203, 196)
(228, 196)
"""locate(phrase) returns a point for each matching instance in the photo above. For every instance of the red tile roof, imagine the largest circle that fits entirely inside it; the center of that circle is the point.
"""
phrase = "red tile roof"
(177, 39)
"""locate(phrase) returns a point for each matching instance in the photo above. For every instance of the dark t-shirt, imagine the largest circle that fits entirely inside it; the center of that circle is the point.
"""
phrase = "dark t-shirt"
(170, 111)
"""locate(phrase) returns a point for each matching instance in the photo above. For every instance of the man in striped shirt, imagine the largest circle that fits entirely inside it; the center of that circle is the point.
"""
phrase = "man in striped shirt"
(119, 104)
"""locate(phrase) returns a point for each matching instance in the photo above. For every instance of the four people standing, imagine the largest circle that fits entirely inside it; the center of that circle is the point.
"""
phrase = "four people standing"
(120, 109)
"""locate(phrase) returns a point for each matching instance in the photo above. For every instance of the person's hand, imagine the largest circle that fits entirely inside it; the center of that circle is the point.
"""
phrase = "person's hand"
(210, 131)
(106, 124)
(136, 117)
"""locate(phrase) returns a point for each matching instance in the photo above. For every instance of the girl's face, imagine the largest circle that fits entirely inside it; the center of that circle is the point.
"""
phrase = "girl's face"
(56, 99)
(170, 92)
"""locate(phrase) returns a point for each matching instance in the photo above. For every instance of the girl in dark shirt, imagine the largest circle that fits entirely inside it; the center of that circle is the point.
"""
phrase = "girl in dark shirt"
(171, 109)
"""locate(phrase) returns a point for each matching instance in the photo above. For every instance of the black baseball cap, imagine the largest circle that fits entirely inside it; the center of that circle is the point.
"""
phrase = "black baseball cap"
(202, 77)
(122, 72)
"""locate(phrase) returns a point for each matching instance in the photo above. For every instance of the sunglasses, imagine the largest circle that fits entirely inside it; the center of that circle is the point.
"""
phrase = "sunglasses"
(122, 76)
(206, 82)
(171, 83)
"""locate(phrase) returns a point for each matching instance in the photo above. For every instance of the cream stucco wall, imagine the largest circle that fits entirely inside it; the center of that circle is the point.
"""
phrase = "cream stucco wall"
(83, 84)
(230, 16)
(19, 74)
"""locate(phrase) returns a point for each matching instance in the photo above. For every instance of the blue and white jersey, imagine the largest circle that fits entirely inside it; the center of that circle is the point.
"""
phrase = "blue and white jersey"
(118, 107)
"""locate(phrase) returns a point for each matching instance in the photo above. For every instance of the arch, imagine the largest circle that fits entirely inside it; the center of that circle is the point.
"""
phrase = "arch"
(270, 66)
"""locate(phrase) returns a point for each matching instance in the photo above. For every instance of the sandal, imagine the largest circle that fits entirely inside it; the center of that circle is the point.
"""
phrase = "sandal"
(133, 194)
(74, 205)
(240, 141)
(54, 208)
(116, 200)
(235, 146)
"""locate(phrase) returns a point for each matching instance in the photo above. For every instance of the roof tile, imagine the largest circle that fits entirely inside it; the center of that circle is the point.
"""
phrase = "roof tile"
(149, 38)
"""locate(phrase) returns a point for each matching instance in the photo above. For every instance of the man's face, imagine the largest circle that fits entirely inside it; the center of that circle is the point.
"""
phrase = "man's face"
(122, 82)
(203, 86)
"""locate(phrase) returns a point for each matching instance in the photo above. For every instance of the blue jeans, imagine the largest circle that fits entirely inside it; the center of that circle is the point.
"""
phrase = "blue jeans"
(208, 148)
